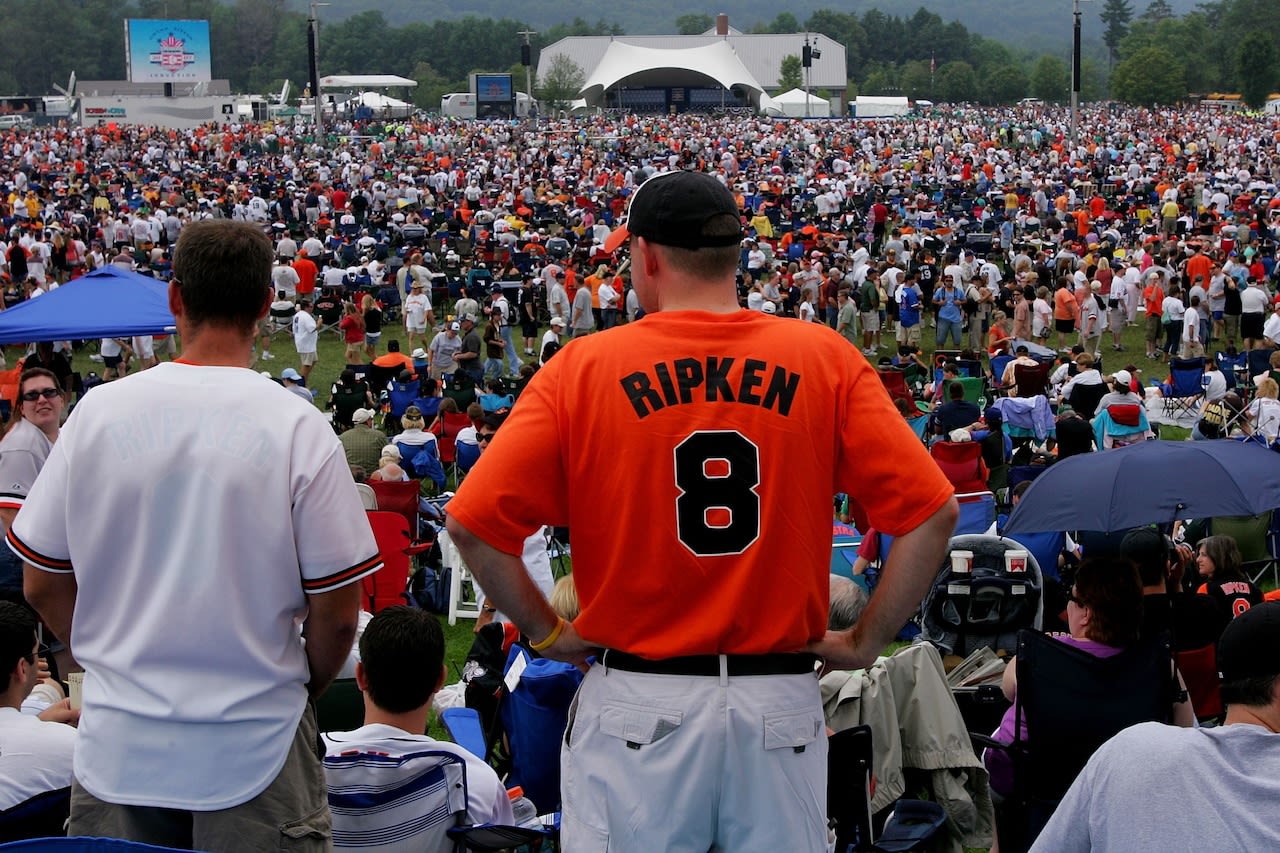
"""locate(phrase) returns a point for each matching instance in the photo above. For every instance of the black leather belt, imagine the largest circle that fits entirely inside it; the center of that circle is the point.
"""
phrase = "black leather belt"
(778, 663)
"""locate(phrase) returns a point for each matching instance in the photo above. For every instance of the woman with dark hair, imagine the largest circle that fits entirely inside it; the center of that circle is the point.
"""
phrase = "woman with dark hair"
(1218, 562)
(1104, 614)
(27, 442)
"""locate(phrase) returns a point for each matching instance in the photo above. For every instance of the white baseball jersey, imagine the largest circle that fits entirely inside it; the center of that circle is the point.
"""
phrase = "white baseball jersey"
(197, 507)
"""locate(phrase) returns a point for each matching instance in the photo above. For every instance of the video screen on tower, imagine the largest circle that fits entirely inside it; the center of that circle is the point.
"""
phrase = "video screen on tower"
(161, 51)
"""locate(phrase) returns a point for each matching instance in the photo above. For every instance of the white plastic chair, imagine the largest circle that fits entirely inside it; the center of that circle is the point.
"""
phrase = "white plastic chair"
(461, 603)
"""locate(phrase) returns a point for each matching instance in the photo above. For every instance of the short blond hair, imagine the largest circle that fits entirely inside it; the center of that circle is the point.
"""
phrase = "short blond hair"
(564, 598)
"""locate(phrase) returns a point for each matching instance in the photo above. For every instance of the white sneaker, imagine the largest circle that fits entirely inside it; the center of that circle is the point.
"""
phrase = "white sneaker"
(96, 357)
(266, 356)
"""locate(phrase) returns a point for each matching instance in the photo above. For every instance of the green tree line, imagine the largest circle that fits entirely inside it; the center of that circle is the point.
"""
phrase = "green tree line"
(1150, 55)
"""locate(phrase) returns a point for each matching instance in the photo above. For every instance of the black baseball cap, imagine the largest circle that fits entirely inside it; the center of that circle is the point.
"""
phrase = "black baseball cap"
(1250, 645)
(673, 208)
(1146, 546)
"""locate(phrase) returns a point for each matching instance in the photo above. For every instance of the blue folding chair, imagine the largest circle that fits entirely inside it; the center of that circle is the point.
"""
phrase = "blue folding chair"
(465, 457)
(400, 396)
(1234, 368)
(977, 513)
(999, 363)
(1185, 387)
(1258, 361)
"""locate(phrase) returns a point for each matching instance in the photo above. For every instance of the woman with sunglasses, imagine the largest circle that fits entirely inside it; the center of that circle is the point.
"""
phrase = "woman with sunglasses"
(1104, 613)
(26, 445)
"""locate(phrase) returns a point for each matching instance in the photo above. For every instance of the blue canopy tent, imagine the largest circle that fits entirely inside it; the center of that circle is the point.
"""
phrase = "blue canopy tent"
(106, 303)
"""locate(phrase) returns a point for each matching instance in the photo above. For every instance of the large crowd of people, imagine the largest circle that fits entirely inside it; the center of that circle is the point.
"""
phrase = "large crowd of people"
(487, 248)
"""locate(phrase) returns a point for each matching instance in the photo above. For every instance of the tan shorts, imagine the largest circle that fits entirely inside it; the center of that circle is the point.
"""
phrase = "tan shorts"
(909, 336)
(307, 358)
(291, 814)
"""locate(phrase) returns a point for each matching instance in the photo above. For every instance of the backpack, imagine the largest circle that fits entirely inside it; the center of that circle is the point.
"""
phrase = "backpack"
(429, 586)
(513, 312)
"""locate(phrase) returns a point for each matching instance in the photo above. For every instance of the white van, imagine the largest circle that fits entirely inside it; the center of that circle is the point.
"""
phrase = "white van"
(14, 120)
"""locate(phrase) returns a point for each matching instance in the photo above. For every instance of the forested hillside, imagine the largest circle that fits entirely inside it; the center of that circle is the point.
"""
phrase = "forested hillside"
(1159, 48)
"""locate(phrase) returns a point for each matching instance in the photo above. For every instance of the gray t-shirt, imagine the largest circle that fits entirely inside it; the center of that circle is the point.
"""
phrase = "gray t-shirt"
(1128, 796)
(582, 319)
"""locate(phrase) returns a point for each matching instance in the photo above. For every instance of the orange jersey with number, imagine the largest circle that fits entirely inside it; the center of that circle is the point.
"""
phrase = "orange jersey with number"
(694, 456)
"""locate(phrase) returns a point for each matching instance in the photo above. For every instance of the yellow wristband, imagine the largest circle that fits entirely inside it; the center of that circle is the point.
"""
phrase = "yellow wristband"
(552, 637)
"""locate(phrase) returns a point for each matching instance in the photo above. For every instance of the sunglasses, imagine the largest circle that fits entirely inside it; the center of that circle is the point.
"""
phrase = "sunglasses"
(47, 393)
(484, 436)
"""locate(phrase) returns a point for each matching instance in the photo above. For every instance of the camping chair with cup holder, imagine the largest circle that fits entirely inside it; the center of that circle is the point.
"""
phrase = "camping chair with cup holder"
(985, 606)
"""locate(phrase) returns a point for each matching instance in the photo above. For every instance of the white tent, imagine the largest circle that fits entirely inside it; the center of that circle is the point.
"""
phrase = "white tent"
(383, 106)
(365, 81)
(791, 105)
(640, 66)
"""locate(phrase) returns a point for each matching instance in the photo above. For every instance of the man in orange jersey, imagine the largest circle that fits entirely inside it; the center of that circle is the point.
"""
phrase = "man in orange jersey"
(699, 723)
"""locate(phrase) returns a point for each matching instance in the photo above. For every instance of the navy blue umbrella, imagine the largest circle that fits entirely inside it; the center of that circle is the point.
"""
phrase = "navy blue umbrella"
(1150, 482)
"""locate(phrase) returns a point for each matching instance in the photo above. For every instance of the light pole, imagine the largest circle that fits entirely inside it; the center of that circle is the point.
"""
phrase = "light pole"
(313, 53)
(808, 54)
(1075, 72)
(526, 59)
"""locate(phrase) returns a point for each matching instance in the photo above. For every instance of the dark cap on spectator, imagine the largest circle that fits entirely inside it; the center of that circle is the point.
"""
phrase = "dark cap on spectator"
(674, 208)
(1250, 646)
(1145, 546)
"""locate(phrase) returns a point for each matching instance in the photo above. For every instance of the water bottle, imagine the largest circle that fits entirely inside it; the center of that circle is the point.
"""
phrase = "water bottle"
(523, 811)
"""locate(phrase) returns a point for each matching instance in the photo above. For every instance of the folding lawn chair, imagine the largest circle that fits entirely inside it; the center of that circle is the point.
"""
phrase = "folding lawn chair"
(1185, 387)
(1072, 702)
(920, 426)
(44, 814)
(961, 462)
(395, 802)
(1252, 536)
(1258, 362)
(400, 498)
(849, 761)
(1084, 399)
(974, 388)
(386, 587)
(1032, 381)
(977, 513)
(1235, 368)
(895, 382)
(999, 363)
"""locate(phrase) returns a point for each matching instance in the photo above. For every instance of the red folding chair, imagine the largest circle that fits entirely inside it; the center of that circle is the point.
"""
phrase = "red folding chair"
(451, 423)
(400, 498)
(961, 463)
(1199, 668)
(385, 587)
(895, 382)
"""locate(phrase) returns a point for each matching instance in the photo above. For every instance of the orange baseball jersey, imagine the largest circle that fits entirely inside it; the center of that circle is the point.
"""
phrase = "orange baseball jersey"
(694, 456)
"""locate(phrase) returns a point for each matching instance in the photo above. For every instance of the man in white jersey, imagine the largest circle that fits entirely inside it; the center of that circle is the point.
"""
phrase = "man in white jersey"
(197, 730)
